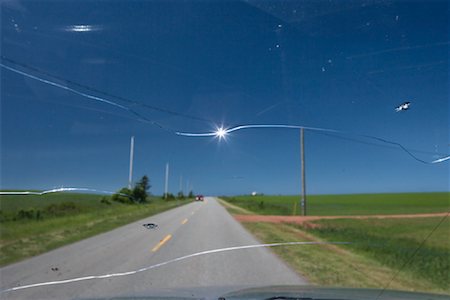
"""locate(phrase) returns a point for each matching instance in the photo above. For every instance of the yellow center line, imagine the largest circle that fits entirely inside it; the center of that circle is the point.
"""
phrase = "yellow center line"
(162, 242)
(184, 221)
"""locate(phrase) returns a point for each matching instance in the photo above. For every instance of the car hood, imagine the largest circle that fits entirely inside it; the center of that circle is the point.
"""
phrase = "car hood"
(313, 292)
(283, 292)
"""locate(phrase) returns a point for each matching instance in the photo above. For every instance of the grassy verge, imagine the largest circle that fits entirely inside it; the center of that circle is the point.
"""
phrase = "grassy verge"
(234, 209)
(24, 235)
(389, 253)
(346, 266)
(339, 205)
(395, 243)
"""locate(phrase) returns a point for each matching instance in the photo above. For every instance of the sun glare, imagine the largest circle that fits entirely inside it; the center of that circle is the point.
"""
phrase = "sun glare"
(221, 133)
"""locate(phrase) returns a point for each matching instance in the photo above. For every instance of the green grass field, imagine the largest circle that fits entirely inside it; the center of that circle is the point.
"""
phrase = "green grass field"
(14, 203)
(409, 249)
(373, 260)
(339, 205)
(395, 243)
(63, 219)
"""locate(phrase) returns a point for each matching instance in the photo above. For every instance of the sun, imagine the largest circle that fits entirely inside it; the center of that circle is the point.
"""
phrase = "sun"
(221, 133)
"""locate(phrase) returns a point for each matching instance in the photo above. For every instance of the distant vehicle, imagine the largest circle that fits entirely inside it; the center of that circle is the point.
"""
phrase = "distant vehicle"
(199, 198)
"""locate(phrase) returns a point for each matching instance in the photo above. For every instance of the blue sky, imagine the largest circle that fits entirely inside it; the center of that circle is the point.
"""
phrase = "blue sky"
(337, 65)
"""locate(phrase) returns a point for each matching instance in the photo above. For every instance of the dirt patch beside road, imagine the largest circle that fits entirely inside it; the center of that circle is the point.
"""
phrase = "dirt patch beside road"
(306, 220)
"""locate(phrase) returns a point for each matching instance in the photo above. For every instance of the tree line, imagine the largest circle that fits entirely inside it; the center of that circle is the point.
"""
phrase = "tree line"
(141, 191)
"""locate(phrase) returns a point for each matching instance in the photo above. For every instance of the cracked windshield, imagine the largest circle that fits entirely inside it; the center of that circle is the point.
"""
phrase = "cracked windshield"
(224, 149)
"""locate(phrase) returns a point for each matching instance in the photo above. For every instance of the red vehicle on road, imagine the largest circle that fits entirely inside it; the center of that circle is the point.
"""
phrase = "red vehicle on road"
(199, 198)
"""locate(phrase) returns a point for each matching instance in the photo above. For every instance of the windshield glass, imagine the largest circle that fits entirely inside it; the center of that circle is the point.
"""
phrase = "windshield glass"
(260, 143)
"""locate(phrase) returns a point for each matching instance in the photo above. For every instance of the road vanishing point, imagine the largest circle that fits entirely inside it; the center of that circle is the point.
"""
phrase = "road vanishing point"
(192, 228)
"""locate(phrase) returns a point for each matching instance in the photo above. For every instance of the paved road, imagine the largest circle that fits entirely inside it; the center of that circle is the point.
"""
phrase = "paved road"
(189, 229)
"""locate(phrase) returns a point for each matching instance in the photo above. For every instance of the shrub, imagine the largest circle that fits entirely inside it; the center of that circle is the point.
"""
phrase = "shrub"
(105, 200)
(261, 205)
(140, 190)
(4, 216)
(61, 209)
(123, 196)
(139, 194)
(168, 196)
(25, 214)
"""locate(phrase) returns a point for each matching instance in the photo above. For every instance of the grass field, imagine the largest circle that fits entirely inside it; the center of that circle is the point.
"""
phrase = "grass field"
(10, 203)
(372, 261)
(339, 205)
(63, 219)
(395, 243)
(405, 254)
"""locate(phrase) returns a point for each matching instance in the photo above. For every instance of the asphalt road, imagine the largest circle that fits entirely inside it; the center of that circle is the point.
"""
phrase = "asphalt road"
(186, 230)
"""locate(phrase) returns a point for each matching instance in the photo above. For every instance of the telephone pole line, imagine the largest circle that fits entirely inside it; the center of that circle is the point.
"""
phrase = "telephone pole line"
(130, 175)
(166, 188)
(302, 157)
(187, 187)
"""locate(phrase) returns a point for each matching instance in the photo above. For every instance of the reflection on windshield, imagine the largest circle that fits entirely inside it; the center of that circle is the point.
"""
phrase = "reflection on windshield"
(263, 143)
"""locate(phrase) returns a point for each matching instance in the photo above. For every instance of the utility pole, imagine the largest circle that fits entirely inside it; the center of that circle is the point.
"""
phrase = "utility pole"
(181, 184)
(187, 187)
(130, 176)
(302, 155)
(166, 188)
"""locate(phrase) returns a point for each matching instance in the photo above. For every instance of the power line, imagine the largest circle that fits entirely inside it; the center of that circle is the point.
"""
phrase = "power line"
(375, 144)
(221, 132)
(100, 92)
(205, 134)
(89, 96)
